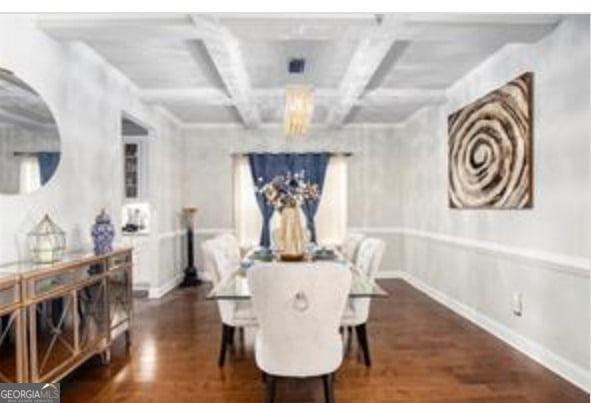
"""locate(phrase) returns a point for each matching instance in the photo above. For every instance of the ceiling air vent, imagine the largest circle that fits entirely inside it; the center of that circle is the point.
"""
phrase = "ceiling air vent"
(296, 66)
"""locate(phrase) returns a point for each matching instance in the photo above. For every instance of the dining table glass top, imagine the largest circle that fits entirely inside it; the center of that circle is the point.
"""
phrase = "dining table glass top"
(235, 285)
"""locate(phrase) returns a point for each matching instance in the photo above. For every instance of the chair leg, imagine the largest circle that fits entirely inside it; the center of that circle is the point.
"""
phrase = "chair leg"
(227, 332)
(328, 381)
(361, 331)
(271, 383)
(231, 336)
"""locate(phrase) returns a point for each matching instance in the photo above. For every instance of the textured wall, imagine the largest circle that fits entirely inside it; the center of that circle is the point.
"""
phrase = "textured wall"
(208, 171)
(86, 97)
(479, 258)
(474, 260)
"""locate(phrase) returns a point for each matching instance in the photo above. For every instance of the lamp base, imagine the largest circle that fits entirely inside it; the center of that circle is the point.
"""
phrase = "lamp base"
(190, 279)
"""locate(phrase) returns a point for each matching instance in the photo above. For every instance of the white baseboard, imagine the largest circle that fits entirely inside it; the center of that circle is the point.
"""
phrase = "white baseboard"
(391, 274)
(159, 292)
(571, 372)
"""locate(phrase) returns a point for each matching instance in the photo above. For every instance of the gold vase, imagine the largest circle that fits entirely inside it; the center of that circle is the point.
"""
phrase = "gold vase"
(291, 235)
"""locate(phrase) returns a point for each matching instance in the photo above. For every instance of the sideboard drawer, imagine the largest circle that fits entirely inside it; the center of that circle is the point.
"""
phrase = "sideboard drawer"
(9, 294)
(120, 259)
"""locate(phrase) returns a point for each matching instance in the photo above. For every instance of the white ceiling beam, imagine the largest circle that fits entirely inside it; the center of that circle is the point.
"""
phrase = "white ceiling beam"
(404, 95)
(224, 50)
(276, 96)
(365, 62)
(206, 96)
(213, 96)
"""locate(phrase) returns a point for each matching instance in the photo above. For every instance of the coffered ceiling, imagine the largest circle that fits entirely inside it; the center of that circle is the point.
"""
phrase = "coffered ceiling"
(232, 68)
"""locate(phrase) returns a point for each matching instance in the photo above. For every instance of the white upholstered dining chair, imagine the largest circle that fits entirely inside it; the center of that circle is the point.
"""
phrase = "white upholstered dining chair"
(232, 249)
(369, 258)
(351, 245)
(218, 263)
(299, 309)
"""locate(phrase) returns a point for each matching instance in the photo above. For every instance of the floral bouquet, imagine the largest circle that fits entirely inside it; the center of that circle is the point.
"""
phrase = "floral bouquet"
(288, 190)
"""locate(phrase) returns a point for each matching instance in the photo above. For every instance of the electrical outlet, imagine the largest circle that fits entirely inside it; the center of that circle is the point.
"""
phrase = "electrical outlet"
(517, 304)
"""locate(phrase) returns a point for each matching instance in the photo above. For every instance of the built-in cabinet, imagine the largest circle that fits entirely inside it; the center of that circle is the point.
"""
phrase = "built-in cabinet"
(131, 161)
(56, 317)
(135, 168)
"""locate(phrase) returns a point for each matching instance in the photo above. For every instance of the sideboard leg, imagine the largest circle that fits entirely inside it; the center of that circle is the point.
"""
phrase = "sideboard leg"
(128, 341)
(106, 356)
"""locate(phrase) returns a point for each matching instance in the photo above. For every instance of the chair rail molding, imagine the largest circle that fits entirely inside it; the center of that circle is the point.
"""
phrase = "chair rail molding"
(574, 265)
(214, 231)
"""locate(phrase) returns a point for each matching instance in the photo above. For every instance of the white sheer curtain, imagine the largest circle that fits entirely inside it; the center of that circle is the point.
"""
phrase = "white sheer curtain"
(331, 218)
(30, 175)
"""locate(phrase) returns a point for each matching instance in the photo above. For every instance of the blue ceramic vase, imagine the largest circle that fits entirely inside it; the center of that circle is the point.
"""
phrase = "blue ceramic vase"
(103, 233)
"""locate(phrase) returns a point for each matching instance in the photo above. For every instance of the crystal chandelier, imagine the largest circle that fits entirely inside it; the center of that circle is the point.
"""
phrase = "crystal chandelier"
(299, 105)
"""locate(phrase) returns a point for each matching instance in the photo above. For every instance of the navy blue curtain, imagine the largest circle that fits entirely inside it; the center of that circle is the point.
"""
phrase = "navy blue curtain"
(314, 166)
(48, 162)
(265, 166)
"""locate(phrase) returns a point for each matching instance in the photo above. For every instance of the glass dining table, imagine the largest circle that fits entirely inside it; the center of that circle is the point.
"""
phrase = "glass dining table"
(235, 285)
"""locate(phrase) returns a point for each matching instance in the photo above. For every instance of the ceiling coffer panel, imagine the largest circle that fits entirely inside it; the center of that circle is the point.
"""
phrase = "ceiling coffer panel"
(149, 65)
(194, 113)
(389, 114)
(326, 62)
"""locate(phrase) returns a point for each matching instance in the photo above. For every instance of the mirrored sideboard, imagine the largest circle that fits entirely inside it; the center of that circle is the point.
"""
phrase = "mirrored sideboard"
(56, 317)
(13, 364)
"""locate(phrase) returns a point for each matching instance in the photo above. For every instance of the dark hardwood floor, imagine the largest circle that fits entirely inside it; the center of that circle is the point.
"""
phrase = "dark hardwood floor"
(421, 352)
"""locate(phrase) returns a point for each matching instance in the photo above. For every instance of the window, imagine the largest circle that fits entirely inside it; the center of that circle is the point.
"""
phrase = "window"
(331, 218)
(30, 174)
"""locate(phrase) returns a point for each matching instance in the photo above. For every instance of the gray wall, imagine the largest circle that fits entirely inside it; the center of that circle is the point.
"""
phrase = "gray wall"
(477, 259)
(473, 261)
(87, 98)
(208, 172)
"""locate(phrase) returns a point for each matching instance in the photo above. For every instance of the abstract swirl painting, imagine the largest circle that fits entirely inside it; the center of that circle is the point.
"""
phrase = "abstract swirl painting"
(490, 149)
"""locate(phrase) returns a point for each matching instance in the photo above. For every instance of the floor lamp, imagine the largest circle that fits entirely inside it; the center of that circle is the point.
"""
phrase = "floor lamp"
(191, 279)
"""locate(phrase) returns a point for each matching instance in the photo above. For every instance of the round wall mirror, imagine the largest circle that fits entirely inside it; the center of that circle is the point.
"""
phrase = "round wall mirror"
(29, 138)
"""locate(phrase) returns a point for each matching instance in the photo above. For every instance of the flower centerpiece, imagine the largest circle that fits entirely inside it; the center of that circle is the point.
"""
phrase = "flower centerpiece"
(286, 193)
(288, 190)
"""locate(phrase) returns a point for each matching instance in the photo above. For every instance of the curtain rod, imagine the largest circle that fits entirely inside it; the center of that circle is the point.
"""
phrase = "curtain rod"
(335, 154)
(26, 153)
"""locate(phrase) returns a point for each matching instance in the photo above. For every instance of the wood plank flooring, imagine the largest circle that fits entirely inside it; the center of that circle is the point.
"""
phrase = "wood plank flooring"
(421, 351)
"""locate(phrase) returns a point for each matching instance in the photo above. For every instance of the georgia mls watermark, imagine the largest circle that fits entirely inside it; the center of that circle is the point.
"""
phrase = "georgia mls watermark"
(29, 392)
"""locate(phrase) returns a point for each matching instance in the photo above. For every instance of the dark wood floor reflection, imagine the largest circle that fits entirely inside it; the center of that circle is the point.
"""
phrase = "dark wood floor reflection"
(422, 352)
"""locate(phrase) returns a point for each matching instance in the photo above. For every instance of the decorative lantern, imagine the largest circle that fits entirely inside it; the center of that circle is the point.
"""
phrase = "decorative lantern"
(47, 242)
